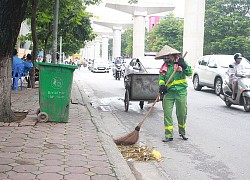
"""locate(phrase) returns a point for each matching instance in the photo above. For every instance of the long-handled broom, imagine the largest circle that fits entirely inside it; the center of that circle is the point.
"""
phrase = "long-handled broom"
(133, 136)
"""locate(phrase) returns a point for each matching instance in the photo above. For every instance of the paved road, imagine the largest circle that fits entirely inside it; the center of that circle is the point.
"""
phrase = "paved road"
(218, 147)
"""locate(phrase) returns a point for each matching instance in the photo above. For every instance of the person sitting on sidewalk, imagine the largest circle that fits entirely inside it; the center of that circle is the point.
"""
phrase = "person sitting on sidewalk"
(15, 60)
(28, 65)
(17, 69)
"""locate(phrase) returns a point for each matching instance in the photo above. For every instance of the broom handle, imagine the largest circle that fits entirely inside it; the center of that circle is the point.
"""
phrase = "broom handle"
(169, 79)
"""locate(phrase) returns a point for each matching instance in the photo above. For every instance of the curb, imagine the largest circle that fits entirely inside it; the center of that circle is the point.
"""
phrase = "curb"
(120, 166)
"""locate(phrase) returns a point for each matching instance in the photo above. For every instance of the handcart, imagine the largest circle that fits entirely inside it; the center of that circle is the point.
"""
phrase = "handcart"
(140, 87)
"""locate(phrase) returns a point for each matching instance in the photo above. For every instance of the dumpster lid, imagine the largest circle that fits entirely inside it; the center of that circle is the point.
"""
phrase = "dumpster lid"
(55, 65)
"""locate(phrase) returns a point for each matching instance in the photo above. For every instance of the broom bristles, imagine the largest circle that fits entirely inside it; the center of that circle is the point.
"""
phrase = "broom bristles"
(128, 139)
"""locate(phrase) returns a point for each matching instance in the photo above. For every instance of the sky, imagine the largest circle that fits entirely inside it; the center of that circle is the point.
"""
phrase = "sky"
(106, 14)
(103, 13)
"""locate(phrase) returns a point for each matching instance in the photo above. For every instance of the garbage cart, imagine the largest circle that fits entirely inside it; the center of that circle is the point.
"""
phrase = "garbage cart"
(140, 87)
(55, 83)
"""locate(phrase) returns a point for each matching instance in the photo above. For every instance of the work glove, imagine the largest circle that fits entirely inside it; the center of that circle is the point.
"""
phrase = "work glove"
(163, 90)
(181, 63)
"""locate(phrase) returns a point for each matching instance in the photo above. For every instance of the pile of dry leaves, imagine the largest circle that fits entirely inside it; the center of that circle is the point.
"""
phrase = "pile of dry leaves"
(139, 153)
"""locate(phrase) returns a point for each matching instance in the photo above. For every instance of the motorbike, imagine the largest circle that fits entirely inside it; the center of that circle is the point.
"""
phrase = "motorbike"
(243, 92)
(118, 71)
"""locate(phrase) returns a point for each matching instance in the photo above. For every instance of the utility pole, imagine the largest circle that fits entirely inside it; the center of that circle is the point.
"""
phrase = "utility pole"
(55, 28)
(60, 55)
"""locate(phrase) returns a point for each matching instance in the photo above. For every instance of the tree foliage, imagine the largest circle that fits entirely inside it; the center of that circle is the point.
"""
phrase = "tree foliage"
(73, 25)
(227, 27)
(169, 31)
(127, 43)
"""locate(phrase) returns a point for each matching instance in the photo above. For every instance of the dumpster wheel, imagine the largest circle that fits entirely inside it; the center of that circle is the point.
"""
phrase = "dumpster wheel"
(42, 117)
(126, 100)
(37, 111)
(141, 104)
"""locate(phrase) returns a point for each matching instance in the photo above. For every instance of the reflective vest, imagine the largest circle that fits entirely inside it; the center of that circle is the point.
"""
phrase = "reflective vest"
(178, 81)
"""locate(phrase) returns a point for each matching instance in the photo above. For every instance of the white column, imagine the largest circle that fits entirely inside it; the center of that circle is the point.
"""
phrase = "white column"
(139, 34)
(116, 41)
(105, 44)
(82, 52)
(90, 51)
(86, 51)
(193, 37)
(97, 49)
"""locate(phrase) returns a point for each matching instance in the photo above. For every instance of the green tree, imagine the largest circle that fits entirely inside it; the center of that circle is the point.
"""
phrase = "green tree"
(127, 43)
(227, 29)
(41, 22)
(169, 31)
(74, 24)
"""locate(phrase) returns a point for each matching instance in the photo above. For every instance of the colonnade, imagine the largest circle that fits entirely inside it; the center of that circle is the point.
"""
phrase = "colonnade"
(193, 34)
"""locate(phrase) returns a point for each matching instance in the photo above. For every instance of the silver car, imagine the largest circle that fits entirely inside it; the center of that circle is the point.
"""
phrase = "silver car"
(210, 71)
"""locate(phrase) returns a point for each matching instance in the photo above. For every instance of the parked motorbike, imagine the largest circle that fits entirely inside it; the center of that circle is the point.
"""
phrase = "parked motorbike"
(118, 71)
(243, 92)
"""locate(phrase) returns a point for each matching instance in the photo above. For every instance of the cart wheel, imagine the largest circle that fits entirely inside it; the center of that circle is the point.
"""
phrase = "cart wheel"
(37, 111)
(126, 100)
(42, 117)
(141, 104)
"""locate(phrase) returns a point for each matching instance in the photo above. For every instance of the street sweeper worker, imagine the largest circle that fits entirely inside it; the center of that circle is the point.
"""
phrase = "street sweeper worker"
(175, 92)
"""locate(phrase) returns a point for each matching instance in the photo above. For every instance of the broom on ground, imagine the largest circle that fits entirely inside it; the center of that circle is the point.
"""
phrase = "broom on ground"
(133, 136)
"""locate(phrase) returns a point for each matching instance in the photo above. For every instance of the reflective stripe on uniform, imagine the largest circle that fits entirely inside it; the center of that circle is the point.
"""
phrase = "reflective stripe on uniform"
(182, 126)
(177, 82)
(169, 127)
(161, 82)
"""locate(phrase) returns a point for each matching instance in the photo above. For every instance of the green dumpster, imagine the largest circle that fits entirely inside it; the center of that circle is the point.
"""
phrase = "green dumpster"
(55, 82)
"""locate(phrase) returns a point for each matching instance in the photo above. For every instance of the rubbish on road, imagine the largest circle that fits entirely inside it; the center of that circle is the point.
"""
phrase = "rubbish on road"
(139, 153)
(133, 136)
(156, 154)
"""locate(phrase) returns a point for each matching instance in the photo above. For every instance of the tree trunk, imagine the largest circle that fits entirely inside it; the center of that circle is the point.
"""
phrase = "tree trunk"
(6, 114)
(35, 40)
(11, 16)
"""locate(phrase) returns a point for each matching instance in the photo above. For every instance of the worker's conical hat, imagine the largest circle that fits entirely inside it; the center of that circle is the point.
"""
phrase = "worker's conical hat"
(166, 50)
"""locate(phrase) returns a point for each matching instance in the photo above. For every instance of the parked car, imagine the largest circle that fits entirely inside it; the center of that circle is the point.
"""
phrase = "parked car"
(210, 71)
(100, 65)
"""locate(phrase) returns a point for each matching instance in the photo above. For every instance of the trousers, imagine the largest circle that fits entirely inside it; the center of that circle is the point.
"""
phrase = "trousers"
(179, 98)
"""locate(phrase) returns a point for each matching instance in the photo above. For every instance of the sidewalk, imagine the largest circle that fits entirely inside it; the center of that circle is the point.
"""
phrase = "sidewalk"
(80, 149)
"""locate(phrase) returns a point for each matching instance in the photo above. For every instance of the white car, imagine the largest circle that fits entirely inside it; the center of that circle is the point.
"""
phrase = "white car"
(100, 65)
(210, 71)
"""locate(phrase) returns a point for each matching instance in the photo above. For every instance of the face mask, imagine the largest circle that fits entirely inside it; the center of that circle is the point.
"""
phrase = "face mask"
(166, 59)
(238, 61)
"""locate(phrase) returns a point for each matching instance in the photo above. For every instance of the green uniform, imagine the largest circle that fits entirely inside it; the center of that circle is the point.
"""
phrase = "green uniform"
(176, 93)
